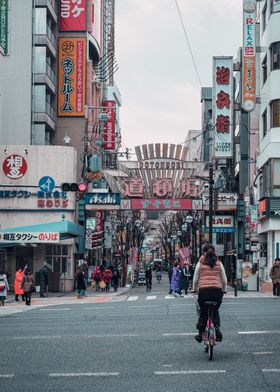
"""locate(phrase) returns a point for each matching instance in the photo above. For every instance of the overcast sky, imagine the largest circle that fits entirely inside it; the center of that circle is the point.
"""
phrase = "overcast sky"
(156, 77)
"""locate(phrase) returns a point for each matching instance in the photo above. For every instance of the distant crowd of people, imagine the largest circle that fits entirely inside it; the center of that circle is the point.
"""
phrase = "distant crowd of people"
(102, 279)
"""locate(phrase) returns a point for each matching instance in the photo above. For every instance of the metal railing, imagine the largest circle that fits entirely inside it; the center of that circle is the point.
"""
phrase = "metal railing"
(51, 74)
(50, 110)
(51, 36)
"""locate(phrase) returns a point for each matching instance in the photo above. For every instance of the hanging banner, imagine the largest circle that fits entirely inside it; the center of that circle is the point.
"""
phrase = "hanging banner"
(107, 235)
(71, 77)
(73, 15)
(109, 127)
(249, 55)
(90, 228)
(222, 105)
(4, 7)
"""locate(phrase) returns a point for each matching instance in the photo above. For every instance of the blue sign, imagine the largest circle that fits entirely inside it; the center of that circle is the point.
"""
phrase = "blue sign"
(46, 184)
(103, 199)
(220, 229)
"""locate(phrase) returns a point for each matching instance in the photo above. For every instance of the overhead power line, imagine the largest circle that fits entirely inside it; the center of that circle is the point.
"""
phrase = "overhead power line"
(188, 42)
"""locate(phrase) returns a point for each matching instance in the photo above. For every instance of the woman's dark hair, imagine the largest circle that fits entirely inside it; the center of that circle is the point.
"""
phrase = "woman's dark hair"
(210, 255)
(27, 271)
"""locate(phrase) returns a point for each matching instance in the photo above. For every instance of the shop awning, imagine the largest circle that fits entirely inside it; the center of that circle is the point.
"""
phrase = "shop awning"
(65, 229)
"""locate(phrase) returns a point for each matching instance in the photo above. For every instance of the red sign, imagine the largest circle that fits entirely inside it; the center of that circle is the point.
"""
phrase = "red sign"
(14, 166)
(109, 128)
(73, 15)
(161, 204)
(98, 221)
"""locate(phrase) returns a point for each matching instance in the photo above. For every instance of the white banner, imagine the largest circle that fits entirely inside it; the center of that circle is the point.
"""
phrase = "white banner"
(108, 235)
(29, 237)
(222, 105)
(90, 228)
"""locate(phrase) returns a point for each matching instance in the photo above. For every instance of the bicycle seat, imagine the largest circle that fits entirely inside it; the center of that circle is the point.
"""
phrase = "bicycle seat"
(211, 303)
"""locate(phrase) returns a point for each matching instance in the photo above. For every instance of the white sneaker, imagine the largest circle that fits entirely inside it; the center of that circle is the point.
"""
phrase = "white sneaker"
(176, 295)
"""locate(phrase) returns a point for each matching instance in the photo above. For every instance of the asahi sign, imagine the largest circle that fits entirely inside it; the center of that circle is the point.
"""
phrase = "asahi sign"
(102, 201)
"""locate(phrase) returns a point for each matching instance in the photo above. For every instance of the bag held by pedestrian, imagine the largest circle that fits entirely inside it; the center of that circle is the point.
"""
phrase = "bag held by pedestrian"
(102, 284)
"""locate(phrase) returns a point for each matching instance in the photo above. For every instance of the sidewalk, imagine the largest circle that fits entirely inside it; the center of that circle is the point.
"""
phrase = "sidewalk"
(68, 297)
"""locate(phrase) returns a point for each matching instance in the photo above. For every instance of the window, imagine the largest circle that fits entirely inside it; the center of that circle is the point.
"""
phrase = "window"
(264, 123)
(275, 113)
(264, 69)
(274, 6)
(275, 55)
(56, 256)
(276, 178)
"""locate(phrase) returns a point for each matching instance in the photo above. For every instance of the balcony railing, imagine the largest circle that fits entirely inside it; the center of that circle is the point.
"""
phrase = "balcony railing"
(50, 110)
(51, 74)
(51, 37)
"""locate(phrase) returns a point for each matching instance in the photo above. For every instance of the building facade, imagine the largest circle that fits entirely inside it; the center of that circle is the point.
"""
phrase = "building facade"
(269, 120)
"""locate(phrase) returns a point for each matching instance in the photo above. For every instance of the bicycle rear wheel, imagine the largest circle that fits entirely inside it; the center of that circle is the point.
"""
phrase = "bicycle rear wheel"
(210, 352)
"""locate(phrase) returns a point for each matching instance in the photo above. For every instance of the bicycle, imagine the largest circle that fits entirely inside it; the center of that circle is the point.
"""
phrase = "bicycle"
(209, 335)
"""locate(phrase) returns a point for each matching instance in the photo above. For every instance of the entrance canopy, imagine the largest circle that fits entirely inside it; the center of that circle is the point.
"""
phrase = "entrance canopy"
(42, 233)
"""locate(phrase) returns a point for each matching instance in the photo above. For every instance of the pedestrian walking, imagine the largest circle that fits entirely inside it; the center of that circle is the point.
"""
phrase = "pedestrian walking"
(97, 277)
(184, 279)
(107, 277)
(43, 279)
(274, 275)
(4, 288)
(81, 286)
(149, 277)
(17, 282)
(158, 273)
(115, 278)
(170, 271)
(27, 284)
(175, 280)
(85, 272)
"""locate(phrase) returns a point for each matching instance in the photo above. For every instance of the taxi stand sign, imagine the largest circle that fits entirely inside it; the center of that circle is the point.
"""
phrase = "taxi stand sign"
(29, 237)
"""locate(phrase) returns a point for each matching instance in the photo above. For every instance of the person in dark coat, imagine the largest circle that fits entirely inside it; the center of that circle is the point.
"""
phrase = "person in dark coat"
(27, 284)
(43, 279)
(81, 286)
(115, 278)
(149, 277)
(184, 279)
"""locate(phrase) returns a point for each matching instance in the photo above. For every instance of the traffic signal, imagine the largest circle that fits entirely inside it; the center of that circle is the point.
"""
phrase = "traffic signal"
(73, 187)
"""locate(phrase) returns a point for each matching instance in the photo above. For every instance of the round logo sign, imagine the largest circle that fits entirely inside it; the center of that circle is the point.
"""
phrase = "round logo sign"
(14, 166)
(249, 6)
(46, 184)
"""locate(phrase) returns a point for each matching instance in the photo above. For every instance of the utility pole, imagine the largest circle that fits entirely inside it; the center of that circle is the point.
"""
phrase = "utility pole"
(211, 183)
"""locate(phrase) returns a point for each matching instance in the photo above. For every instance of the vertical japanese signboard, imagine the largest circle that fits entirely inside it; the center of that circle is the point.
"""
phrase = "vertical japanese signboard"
(249, 55)
(222, 106)
(71, 77)
(4, 6)
(109, 127)
(90, 228)
(73, 15)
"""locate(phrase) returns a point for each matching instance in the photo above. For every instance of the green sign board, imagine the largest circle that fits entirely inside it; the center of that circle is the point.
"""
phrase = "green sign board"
(4, 25)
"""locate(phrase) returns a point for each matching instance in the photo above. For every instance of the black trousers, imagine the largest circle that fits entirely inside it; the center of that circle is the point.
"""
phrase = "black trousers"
(205, 295)
(27, 296)
(276, 289)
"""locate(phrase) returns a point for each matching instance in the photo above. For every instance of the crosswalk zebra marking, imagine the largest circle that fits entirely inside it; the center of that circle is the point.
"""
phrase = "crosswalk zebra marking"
(169, 297)
(132, 298)
(149, 297)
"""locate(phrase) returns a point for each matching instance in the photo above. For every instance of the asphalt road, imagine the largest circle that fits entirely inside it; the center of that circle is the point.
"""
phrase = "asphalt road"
(140, 342)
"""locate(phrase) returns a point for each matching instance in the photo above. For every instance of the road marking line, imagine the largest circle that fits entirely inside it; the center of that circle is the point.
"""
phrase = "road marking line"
(132, 298)
(165, 373)
(263, 353)
(256, 332)
(7, 375)
(57, 309)
(149, 297)
(179, 334)
(169, 297)
(72, 336)
(142, 306)
(92, 374)
(271, 370)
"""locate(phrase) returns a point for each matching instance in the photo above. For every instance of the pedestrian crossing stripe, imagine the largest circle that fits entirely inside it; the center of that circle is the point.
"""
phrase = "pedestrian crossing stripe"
(149, 297)
(132, 298)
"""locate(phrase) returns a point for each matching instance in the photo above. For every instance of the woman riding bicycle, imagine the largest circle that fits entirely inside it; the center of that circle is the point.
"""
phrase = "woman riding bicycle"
(211, 281)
